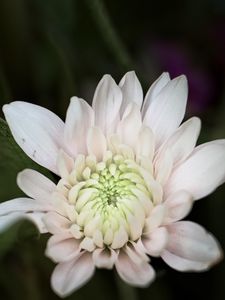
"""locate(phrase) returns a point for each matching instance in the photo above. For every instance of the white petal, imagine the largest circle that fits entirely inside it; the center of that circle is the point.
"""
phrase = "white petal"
(79, 118)
(70, 276)
(130, 125)
(202, 172)
(155, 219)
(163, 167)
(65, 164)
(131, 89)
(62, 247)
(191, 247)
(183, 141)
(154, 90)
(38, 131)
(139, 275)
(23, 205)
(106, 104)
(178, 206)
(56, 223)
(165, 114)
(35, 185)
(96, 143)
(104, 258)
(146, 143)
(37, 218)
(120, 238)
(156, 241)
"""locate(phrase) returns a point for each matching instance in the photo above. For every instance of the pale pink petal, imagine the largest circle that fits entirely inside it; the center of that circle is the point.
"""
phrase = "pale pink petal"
(38, 131)
(62, 247)
(165, 114)
(156, 241)
(106, 104)
(155, 219)
(178, 206)
(139, 275)
(154, 90)
(131, 89)
(23, 205)
(79, 118)
(104, 258)
(70, 276)
(145, 145)
(35, 185)
(37, 218)
(202, 172)
(182, 142)
(55, 223)
(191, 247)
(96, 143)
(65, 164)
(130, 125)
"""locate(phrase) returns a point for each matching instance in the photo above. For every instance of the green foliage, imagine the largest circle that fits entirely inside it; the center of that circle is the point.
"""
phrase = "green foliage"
(12, 161)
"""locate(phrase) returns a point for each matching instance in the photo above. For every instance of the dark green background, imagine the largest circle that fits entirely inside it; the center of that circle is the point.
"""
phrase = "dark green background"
(51, 50)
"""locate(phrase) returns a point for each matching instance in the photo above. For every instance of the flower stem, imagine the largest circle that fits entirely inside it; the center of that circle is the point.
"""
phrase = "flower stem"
(125, 291)
(109, 33)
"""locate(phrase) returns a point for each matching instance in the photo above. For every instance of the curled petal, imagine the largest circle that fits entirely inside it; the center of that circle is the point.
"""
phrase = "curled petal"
(38, 131)
(106, 104)
(79, 118)
(71, 275)
(178, 206)
(96, 143)
(156, 241)
(35, 185)
(62, 247)
(131, 90)
(165, 114)
(104, 258)
(130, 125)
(154, 90)
(190, 247)
(37, 218)
(139, 275)
(202, 172)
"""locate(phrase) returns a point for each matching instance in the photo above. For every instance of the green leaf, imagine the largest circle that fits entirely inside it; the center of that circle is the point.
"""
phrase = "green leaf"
(12, 161)
(20, 231)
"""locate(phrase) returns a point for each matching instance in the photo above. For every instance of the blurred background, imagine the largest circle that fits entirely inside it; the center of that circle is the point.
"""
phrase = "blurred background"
(51, 50)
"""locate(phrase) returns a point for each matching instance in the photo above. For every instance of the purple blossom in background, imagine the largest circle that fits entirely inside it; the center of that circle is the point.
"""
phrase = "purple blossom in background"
(174, 58)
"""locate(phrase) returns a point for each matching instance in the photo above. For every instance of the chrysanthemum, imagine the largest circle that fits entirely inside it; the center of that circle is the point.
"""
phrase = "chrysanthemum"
(129, 172)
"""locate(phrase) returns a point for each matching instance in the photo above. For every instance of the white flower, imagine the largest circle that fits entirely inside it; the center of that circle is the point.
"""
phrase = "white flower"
(128, 174)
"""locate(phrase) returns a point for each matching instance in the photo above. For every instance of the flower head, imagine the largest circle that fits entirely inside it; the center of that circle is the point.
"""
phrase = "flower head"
(129, 172)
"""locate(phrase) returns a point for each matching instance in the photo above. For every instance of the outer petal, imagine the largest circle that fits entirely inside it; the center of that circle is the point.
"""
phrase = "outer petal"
(130, 125)
(56, 224)
(8, 220)
(79, 118)
(139, 275)
(131, 89)
(156, 241)
(165, 114)
(183, 141)
(62, 247)
(178, 206)
(38, 131)
(190, 247)
(104, 258)
(69, 276)
(202, 172)
(23, 205)
(154, 90)
(106, 104)
(96, 143)
(35, 185)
